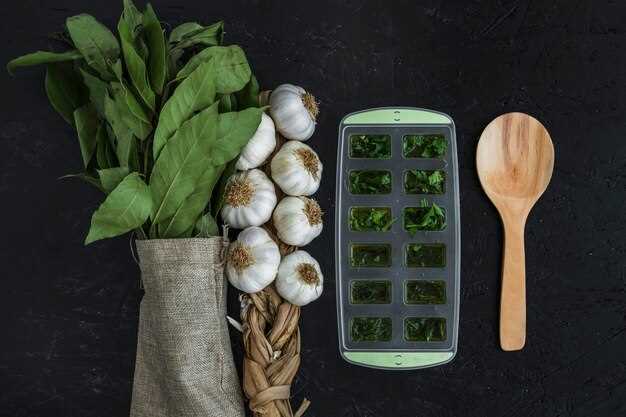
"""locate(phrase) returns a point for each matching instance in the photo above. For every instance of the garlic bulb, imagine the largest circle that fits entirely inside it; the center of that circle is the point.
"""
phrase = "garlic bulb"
(249, 199)
(252, 260)
(296, 169)
(260, 146)
(299, 278)
(294, 111)
(298, 220)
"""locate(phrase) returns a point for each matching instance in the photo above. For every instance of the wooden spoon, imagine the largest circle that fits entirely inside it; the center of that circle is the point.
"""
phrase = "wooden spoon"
(515, 157)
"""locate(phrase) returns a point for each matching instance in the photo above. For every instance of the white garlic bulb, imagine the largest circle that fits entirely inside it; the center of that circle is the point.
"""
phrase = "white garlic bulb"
(252, 260)
(299, 279)
(260, 146)
(298, 220)
(296, 169)
(249, 199)
(294, 111)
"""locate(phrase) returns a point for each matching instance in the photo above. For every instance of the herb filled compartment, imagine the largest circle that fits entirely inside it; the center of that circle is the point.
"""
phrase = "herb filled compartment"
(397, 239)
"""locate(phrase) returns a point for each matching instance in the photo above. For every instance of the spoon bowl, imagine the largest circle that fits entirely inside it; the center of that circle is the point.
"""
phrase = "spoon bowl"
(515, 160)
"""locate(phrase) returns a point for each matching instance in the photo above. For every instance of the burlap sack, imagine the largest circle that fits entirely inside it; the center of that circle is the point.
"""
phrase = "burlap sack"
(184, 364)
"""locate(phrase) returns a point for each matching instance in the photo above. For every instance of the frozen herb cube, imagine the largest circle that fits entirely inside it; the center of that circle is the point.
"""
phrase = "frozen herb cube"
(370, 255)
(370, 292)
(425, 292)
(370, 219)
(422, 255)
(425, 329)
(424, 146)
(370, 182)
(426, 217)
(370, 146)
(418, 181)
(371, 329)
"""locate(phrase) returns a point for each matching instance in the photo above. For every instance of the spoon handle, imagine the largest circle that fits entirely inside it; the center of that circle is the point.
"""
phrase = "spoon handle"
(513, 297)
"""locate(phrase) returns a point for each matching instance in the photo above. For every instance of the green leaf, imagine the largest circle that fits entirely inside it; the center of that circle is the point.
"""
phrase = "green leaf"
(234, 131)
(187, 214)
(95, 42)
(228, 103)
(98, 89)
(182, 162)
(111, 177)
(126, 108)
(206, 226)
(42, 57)
(191, 33)
(249, 96)
(195, 93)
(118, 116)
(155, 40)
(65, 90)
(87, 123)
(89, 179)
(127, 207)
(232, 71)
(105, 153)
(217, 200)
(129, 28)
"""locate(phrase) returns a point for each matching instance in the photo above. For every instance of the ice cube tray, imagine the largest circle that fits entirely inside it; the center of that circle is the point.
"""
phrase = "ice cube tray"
(397, 292)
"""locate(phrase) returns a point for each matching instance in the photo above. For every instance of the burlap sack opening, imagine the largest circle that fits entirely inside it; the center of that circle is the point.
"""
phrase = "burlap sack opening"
(184, 365)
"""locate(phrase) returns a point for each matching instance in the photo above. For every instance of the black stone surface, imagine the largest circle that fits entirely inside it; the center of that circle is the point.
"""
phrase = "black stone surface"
(68, 313)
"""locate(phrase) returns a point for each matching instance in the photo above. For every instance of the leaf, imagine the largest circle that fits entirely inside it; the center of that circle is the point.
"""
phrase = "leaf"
(95, 42)
(87, 123)
(42, 57)
(65, 90)
(249, 96)
(89, 179)
(155, 39)
(234, 131)
(126, 147)
(206, 226)
(217, 200)
(192, 208)
(195, 93)
(98, 89)
(125, 111)
(228, 103)
(105, 154)
(111, 177)
(192, 33)
(129, 27)
(232, 71)
(127, 207)
(182, 162)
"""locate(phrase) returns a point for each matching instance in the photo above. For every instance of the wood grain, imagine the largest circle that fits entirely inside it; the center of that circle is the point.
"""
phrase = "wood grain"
(514, 159)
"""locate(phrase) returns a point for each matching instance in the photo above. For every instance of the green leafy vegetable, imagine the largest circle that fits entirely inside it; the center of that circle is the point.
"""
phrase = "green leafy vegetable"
(98, 90)
(424, 218)
(155, 42)
(111, 177)
(424, 146)
(232, 71)
(425, 329)
(42, 57)
(65, 90)
(424, 182)
(370, 292)
(370, 219)
(370, 146)
(425, 292)
(192, 33)
(370, 255)
(95, 42)
(370, 182)
(371, 329)
(87, 123)
(126, 208)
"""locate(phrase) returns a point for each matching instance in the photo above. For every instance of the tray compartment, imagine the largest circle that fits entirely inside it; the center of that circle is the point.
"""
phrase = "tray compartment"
(370, 291)
(425, 292)
(370, 146)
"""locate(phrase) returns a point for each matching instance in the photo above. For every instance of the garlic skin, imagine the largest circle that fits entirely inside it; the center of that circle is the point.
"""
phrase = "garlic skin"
(294, 112)
(252, 260)
(260, 146)
(299, 279)
(296, 169)
(298, 220)
(249, 199)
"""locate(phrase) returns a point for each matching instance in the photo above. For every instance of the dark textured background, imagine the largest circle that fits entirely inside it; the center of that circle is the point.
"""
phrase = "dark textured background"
(68, 313)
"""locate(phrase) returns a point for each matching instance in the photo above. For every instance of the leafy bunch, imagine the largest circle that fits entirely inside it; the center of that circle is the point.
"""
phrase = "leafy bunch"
(424, 146)
(158, 119)
(424, 182)
(370, 146)
(423, 218)
(366, 219)
(370, 182)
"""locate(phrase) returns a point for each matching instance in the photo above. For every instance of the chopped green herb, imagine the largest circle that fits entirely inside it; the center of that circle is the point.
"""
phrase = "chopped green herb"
(370, 146)
(424, 218)
(370, 292)
(425, 255)
(370, 219)
(425, 329)
(424, 182)
(371, 255)
(425, 292)
(424, 146)
(370, 182)
(371, 329)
